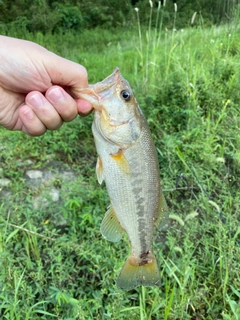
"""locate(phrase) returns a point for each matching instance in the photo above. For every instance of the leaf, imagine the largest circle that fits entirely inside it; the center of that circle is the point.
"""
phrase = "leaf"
(12, 234)
(237, 293)
(44, 312)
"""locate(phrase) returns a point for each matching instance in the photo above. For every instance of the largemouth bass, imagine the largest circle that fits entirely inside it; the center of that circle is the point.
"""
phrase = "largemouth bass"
(128, 163)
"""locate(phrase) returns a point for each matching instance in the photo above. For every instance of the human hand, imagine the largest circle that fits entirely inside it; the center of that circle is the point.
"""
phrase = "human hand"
(34, 86)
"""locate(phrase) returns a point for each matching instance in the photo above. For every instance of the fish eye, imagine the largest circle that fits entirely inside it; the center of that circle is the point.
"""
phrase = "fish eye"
(126, 95)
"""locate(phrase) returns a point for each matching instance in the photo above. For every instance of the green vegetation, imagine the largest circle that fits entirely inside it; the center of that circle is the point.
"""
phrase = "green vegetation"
(54, 261)
(49, 16)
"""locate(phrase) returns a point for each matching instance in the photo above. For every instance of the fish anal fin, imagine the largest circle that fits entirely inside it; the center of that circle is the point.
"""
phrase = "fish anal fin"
(136, 274)
(161, 220)
(99, 170)
(121, 161)
(111, 228)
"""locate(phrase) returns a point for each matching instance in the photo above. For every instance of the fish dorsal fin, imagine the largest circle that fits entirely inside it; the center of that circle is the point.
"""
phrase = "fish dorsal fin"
(99, 170)
(121, 161)
(111, 228)
(163, 215)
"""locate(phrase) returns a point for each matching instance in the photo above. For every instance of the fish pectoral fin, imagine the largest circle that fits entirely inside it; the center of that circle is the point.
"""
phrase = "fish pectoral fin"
(161, 220)
(121, 161)
(111, 228)
(99, 170)
(133, 275)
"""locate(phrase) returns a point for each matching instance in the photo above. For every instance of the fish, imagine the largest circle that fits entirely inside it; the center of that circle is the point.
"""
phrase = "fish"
(128, 163)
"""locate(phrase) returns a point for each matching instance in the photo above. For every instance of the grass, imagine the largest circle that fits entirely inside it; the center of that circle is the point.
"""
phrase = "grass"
(54, 261)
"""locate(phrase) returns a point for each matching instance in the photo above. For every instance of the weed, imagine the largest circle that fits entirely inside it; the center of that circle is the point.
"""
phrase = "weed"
(54, 261)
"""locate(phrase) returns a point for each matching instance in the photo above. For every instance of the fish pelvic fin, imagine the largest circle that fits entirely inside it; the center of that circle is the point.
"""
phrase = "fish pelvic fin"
(134, 274)
(111, 228)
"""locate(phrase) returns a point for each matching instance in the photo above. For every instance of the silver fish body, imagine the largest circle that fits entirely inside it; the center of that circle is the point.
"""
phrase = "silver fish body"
(128, 163)
(133, 187)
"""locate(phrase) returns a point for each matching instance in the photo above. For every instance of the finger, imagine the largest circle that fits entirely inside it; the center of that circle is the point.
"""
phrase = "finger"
(44, 110)
(84, 107)
(30, 123)
(65, 72)
(63, 103)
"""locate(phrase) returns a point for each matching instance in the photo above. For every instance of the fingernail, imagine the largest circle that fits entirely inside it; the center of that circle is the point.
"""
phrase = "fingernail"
(35, 101)
(55, 95)
(28, 113)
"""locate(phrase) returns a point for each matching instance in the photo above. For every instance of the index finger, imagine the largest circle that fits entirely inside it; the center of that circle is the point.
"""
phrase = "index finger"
(66, 72)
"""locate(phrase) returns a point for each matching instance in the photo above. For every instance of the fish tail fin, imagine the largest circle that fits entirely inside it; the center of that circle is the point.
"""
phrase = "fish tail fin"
(134, 274)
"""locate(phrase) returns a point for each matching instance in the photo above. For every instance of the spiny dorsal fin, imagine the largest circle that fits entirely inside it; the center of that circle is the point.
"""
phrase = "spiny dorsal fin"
(111, 228)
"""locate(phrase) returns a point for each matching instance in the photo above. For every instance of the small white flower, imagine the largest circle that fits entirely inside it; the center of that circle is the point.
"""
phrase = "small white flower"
(136, 9)
(151, 4)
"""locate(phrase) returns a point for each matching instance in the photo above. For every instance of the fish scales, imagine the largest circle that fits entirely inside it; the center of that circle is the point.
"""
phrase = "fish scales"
(128, 196)
(127, 161)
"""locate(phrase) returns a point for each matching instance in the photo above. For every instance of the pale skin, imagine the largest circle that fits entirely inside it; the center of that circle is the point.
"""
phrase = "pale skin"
(35, 87)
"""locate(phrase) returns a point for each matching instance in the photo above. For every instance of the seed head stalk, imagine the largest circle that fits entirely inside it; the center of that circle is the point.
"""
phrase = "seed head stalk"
(159, 24)
(139, 34)
(157, 19)
(169, 55)
(175, 15)
(149, 40)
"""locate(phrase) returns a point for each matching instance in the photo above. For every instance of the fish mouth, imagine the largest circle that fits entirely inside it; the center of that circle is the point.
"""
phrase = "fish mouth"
(96, 93)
